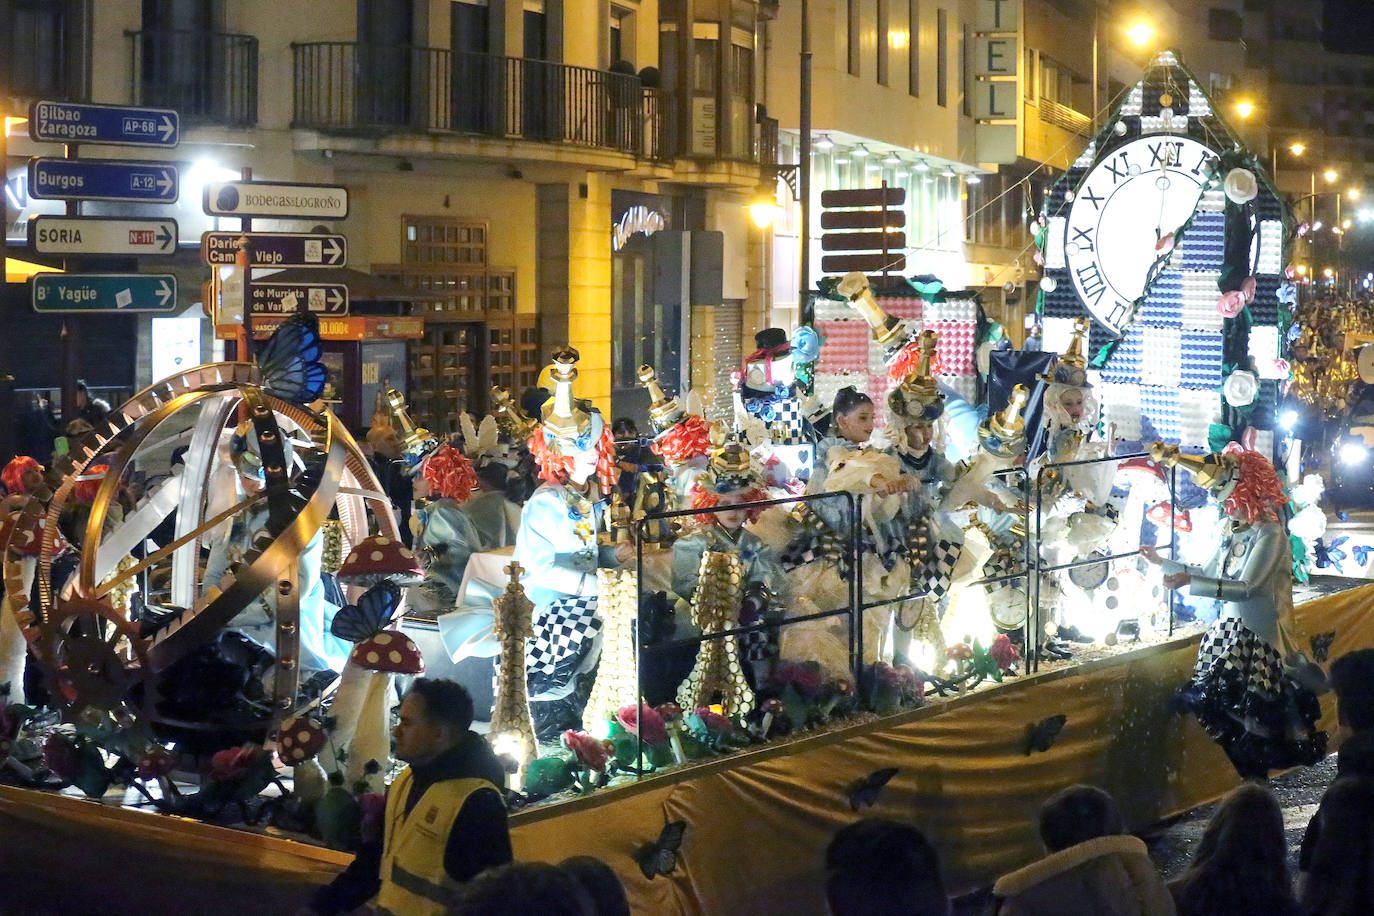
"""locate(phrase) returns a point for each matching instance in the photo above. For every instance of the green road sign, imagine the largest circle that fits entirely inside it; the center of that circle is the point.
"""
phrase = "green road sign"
(53, 292)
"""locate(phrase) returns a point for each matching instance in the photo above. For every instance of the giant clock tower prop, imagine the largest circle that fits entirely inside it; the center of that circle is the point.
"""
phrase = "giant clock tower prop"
(1172, 239)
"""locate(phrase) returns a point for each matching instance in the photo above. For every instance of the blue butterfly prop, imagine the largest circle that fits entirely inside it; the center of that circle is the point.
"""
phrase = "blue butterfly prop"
(1331, 554)
(367, 618)
(1362, 552)
(290, 363)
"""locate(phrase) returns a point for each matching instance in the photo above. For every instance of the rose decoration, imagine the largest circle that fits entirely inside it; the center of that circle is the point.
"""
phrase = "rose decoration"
(1229, 305)
(154, 763)
(60, 756)
(233, 763)
(1240, 388)
(1240, 186)
(1164, 245)
(654, 731)
(450, 474)
(1287, 293)
(714, 722)
(1004, 651)
(806, 345)
(591, 753)
(1038, 258)
(959, 652)
(804, 677)
(1282, 369)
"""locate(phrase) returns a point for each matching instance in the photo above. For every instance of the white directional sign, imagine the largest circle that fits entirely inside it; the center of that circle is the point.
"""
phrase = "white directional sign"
(275, 199)
(102, 235)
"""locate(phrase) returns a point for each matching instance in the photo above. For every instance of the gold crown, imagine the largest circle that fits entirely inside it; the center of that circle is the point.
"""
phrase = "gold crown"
(854, 287)
(664, 412)
(731, 468)
(1213, 472)
(566, 418)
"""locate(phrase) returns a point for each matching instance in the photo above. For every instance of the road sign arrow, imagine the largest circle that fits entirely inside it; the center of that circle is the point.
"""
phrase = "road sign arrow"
(166, 128)
(164, 294)
(164, 184)
(332, 251)
(166, 238)
(335, 299)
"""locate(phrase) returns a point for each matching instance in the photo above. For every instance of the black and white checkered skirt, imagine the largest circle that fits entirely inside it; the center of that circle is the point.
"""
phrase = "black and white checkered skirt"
(567, 639)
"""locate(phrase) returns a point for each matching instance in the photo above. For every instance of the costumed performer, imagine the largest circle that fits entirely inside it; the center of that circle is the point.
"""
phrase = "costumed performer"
(1252, 688)
(557, 543)
(731, 480)
(771, 414)
(682, 437)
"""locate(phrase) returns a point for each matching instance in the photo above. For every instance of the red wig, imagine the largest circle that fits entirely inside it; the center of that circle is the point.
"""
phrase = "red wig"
(702, 498)
(89, 483)
(450, 474)
(905, 364)
(13, 474)
(685, 440)
(555, 468)
(1258, 492)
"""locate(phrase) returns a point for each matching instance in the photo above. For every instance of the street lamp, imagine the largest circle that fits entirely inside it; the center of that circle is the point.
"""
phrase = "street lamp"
(1245, 108)
(1353, 193)
(1140, 33)
(1331, 175)
(1296, 149)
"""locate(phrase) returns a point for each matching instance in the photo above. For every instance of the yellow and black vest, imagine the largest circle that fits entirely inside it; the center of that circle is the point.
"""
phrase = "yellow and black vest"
(414, 882)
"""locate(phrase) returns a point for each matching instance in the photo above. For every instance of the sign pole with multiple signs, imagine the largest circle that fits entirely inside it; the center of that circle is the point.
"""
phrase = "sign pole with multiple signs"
(869, 252)
(73, 236)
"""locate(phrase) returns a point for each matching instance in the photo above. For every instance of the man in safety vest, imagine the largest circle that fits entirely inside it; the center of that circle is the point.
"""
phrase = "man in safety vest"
(445, 814)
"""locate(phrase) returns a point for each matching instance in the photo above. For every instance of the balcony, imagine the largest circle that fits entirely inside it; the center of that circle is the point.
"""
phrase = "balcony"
(1065, 117)
(348, 87)
(210, 78)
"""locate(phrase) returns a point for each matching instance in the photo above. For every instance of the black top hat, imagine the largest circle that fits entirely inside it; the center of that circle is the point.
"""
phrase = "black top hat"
(770, 338)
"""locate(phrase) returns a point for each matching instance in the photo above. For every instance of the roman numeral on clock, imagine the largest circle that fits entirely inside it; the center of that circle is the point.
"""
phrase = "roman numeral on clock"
(1119, 314)
(1082, 238)
(1091, 283)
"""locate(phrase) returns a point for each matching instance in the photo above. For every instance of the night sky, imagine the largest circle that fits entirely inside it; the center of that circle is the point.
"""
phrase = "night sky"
(1348, 26)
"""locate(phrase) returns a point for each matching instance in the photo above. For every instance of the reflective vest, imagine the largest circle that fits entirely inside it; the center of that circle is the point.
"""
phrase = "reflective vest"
(414, 882)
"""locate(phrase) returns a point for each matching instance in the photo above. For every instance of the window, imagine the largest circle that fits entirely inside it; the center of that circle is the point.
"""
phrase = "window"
(853, 31)
(705, 57)
(1223, 24)
(668, 54)
(941, 58)
(741, 92)
(441, 241)
(913, 47)
(884, 41)
(622, 35)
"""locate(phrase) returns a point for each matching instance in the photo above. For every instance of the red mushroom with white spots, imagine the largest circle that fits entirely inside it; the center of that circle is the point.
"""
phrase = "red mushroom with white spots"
(391, 651)
(299, 739)
(379, 557)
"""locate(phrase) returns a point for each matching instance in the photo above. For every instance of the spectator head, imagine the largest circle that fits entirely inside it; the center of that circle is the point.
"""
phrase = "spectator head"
(385, 441)
(1356, 756)
(877, 867)
(1077, 814)
(624, 428)
(1340, 874)
(433, 717)
(22, 475)
(601, 884)
(1241, 864)
(1352, 678)
(525, 887)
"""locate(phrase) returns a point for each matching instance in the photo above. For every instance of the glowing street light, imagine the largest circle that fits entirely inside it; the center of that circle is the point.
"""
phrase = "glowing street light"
(1297, 149)
(764, 207)
(1140, 33)
(1328, 273)
(1353, 193)
(1302, 270)
(1245, 108)
(1331, 175)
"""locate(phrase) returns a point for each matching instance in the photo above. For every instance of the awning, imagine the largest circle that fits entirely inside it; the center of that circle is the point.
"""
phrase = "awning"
(17, 271)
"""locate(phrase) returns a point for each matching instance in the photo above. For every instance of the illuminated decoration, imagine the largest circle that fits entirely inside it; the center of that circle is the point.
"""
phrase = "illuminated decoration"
(1141, 236)
(512, 730)
(638, 218)
(617, 603)
(717, 677)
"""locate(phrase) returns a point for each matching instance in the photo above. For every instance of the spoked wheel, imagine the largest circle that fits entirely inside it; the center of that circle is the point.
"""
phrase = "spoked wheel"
(93, 657)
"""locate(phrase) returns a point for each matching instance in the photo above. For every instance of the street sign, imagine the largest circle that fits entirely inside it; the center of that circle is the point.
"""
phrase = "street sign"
(284, 298)
(275, 249)
(101, 179)
(102, 235)
(70, 122)
(53, 292)
(279, 199)
(866, 263)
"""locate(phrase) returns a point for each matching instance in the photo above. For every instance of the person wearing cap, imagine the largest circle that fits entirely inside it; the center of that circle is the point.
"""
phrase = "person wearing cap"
(769, 407)
(558, 545)
(1253, 689)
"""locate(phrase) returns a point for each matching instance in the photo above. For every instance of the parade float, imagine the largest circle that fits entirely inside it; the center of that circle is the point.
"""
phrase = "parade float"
(946, 624)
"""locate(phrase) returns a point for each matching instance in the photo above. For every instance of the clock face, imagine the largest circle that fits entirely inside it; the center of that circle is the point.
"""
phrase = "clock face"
(1143, 191)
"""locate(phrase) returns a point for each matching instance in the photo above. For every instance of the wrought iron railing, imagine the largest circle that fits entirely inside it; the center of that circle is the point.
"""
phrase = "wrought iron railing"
(208, 77)
(352, 87)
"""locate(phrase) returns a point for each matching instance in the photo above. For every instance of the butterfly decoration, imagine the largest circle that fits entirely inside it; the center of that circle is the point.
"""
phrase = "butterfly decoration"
(367, 618)
(864, 792)
(290, 362)
(1041, 735)
(1331, 555)
(1321, 645)
(660, 857)
(1362, 552)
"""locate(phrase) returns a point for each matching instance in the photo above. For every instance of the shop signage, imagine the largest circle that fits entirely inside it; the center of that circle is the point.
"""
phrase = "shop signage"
(54, 292)
(102, 235)
(71, 122)
(275, 249)
(638, 218)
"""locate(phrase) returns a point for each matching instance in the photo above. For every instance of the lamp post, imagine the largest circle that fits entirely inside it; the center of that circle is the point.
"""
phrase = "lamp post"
(806, 313)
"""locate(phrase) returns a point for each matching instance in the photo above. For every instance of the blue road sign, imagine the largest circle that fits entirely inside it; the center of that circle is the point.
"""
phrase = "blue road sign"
(70, 122)
(53, 292)
(100, 179)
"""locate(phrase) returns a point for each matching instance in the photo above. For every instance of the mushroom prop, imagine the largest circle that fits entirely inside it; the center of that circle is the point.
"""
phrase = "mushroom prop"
(389, 652)
(298, 741)
(379, 557)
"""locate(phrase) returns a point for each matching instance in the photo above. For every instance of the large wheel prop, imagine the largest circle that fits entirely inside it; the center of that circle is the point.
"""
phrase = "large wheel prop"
(91, 655)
